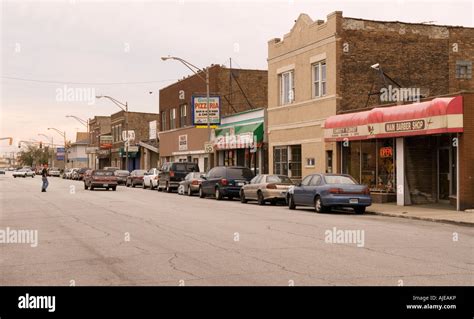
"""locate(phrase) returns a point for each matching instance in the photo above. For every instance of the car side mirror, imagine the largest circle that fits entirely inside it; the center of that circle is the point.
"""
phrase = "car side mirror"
(203, 177)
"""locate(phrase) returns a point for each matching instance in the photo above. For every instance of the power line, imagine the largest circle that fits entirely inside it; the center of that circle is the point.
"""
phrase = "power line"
(83, 83)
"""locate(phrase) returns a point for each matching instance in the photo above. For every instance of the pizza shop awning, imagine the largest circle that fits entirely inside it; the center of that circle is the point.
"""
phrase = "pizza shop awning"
(440, 115)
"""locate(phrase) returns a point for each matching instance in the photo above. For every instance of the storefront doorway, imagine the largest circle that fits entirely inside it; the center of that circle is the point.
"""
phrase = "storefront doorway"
(443, 174)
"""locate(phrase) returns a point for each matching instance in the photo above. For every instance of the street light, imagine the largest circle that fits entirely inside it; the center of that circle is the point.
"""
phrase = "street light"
(123, 107)
(196, 71)
(63, 134)
(83, 122)
(52, 147)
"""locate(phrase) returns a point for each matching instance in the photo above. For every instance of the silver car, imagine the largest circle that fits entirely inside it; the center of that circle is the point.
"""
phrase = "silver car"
(24, 172)
(266, 188)
(190, 184)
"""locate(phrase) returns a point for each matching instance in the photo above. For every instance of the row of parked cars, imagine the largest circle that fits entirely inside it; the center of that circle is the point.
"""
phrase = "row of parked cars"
(320, 191)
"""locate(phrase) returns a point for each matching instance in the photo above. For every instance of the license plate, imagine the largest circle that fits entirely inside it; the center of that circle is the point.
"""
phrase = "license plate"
(106, 185)
(354, 201)
(240, 184)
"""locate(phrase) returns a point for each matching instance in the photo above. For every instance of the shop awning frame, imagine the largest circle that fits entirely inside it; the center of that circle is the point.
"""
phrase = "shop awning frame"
(440, 115)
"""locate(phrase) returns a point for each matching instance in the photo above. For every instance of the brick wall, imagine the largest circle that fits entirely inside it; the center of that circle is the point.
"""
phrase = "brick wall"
(414, 55)
(253, 83)
(466, 154)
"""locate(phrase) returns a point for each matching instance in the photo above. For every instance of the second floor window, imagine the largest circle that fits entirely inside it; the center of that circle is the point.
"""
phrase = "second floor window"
(183, 115)
(319, 79)
(287, 88)
(172, 119)
(163, 121)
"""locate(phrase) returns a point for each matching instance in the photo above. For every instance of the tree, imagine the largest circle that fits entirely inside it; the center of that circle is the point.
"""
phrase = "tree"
(32, 155)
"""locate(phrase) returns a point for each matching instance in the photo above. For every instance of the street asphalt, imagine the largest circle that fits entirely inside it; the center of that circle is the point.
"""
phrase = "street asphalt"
(143, 237)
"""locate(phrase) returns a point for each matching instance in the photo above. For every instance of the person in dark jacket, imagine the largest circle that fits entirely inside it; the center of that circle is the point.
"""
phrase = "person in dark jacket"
(44, 178)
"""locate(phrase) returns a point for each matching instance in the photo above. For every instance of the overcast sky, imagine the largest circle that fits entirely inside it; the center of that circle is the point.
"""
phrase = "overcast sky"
(107, 47)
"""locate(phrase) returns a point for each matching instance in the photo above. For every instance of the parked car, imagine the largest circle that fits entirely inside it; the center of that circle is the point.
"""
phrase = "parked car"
(121, 176)
(24, 172)
(135, 178)
(190, 184)
(225, 181)
(2, 171)
(100, 179)
(174, 172)
(79, 174)
(150, 180)
(69, 173)
(53, 171)
(324, 191)
(266, 188)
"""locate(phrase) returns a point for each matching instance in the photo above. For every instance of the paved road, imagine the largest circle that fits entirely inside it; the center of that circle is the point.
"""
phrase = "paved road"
(143, 237)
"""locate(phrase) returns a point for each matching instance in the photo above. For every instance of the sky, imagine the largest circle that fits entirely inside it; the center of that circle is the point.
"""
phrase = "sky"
(57, 55)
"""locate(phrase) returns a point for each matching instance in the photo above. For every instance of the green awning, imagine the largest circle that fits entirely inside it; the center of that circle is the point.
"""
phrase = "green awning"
(256, 129)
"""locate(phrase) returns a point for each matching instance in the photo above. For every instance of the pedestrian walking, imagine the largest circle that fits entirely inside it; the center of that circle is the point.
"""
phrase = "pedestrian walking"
(44, 178)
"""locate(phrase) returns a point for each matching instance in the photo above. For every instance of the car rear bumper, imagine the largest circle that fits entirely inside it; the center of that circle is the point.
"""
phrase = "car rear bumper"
(230, 191)
(347, 200)
(103, 184)
(279, 194)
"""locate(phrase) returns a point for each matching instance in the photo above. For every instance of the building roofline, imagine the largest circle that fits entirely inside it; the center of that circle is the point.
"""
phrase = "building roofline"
(410, 23)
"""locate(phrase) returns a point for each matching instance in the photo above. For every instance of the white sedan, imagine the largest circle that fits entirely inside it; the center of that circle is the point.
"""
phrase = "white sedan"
(24, 173)
(150, 180)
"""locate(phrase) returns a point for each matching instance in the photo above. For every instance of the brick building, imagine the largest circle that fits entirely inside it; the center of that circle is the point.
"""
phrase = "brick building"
(97, 157)
(237, 90)
(324, 70)
(139, 124)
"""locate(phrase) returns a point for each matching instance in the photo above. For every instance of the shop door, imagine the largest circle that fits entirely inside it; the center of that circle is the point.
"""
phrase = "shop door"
(444, 175)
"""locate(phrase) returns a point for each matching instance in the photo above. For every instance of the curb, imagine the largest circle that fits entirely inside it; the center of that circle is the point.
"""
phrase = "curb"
(445, 221)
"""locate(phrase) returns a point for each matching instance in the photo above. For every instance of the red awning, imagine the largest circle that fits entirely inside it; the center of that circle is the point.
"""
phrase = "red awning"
(441, 115)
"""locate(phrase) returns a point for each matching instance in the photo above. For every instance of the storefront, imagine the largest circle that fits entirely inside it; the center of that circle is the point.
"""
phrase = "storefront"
(186, 145)
(239, 141)
(407, 154)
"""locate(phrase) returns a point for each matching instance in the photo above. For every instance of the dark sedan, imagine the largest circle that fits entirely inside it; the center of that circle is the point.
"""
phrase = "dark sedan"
(324, 191)
(121, 176)
(135, 178)
(224, 181)
(100, 179)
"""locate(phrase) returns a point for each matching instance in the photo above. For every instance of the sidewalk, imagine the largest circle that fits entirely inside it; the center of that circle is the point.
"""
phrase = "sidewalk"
(434, 213)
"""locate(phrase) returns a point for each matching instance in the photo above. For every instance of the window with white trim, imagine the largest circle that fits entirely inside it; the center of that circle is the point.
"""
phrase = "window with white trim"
(183, 115)
(163, 121)
(319, 79)
(287, 87)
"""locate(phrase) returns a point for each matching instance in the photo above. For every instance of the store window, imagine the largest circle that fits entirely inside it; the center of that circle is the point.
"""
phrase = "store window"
(280, 160)
(351, 159)
(368, 163)
(287, 161)
(386, 165)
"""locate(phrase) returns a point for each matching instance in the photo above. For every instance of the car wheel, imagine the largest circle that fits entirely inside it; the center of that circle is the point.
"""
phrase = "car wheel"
(273, 202)
(106, 188)
(318, 206)
(144, 185)
(231, 197)
(14, 176)
(359, 210)
(190, 192)
(168, 189)
(260, 199)
(132, 184)
(243, 200)
(92, 188)
(291, 202)
(114, 188)
(201, 193)
(127, 184)
(218, 194)
(85, 186)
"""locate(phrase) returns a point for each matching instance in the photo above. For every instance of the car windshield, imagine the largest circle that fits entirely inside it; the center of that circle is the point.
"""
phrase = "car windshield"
(103, 173)
(338, 179)
(122, 173)
(239, 173)
(280, 179)
(185, 167)
(140, 173)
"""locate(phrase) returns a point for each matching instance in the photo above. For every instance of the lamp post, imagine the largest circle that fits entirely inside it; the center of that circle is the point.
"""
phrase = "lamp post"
(123, 107)
(52, 147)
(63, 134)
(196, 71)
(83, 122)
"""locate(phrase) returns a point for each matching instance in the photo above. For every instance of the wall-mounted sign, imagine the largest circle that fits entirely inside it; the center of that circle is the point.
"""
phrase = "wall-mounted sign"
(131, 135)
(105, 141)
(199, 106)
(208, 148)
(60, 153)
(183, 142)
(386, 152)
(152, 130)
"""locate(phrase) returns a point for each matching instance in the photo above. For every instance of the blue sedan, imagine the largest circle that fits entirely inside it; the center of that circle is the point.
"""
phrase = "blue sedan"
(324, 191)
